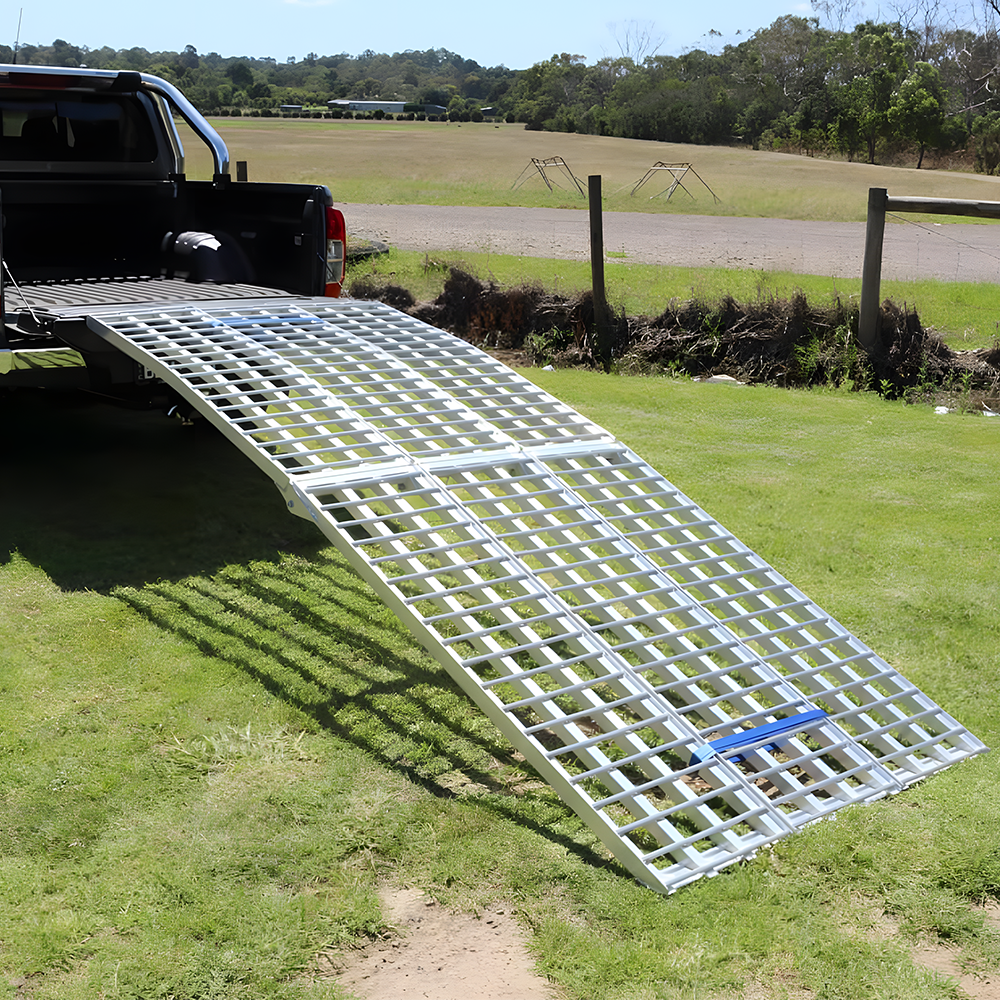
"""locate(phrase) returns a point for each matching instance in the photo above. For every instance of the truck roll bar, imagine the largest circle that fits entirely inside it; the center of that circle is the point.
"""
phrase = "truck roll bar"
(68, 78)
(194, 118)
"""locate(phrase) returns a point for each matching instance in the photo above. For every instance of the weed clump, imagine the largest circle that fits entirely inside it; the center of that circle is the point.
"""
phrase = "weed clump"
(392, 295)
(527, 318)
(780, 341)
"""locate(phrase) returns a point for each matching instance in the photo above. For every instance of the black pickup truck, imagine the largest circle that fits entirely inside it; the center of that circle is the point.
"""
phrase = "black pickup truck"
(97, 212)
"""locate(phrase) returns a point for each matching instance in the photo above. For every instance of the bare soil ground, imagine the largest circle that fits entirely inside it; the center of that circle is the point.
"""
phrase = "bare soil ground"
(958, 252)
(435, 952)
(946, 961)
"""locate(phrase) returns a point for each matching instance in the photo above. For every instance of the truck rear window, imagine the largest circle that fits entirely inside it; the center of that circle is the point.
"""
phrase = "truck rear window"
(75, 128)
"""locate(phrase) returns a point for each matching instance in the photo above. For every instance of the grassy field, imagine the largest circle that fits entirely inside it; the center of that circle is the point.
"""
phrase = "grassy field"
(215, 743)
(437, 163)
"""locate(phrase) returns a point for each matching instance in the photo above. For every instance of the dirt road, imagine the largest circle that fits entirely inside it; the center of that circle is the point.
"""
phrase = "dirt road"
(949, 252)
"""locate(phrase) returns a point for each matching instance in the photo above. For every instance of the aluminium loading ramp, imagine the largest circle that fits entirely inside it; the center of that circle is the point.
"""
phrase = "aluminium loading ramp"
(687, 701)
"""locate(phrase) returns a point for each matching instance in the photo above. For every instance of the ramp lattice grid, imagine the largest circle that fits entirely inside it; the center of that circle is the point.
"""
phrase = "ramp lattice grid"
(683, 697)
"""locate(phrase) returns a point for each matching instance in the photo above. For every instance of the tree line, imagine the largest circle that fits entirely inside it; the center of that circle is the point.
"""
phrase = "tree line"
(877, 91)
(215, 83)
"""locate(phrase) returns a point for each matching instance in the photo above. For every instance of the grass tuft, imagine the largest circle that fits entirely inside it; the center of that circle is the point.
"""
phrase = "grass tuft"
(230, 747)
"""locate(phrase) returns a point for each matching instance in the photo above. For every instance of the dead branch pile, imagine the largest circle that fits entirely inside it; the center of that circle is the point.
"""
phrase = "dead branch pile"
(778, 341)
(526, 319)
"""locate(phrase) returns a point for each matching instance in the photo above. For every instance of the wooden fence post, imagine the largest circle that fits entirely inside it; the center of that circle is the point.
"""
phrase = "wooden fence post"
(871, 273)
(602, 328)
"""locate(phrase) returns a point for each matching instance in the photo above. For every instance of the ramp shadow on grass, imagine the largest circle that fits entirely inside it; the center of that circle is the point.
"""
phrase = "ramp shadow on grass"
(100, 497)
(178, 525)
(313, 635)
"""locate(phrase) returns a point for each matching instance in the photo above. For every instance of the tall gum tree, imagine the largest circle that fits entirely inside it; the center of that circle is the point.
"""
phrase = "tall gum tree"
(918, 111)
(878, 53)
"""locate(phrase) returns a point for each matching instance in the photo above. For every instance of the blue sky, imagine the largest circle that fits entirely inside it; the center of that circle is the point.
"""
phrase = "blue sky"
(516, 33)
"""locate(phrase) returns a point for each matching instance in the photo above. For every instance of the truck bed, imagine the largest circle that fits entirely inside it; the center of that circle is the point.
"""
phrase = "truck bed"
(73, 297)
(45, 341)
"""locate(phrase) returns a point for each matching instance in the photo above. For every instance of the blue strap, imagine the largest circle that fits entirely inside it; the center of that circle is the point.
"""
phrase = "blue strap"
(793, 724)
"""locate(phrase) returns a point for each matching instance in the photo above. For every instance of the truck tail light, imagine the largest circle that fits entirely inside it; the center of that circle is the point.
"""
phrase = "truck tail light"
(336, 243)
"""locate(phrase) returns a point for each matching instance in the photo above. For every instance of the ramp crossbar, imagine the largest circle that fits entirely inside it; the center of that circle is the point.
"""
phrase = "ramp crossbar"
(686, 700)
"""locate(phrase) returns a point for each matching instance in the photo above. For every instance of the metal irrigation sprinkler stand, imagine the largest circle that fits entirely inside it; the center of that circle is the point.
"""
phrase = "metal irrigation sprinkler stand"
(677, 172)
(553, 161)
(879, 203)
(602, 327)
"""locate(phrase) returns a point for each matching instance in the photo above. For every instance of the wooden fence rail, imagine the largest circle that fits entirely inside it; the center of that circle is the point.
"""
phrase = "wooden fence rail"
(879, 203)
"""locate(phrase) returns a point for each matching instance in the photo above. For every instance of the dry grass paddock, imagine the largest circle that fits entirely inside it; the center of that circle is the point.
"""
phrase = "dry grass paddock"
(478, 164)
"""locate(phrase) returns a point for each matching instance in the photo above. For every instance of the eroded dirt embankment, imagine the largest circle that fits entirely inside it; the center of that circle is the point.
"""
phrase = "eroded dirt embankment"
(779, 341)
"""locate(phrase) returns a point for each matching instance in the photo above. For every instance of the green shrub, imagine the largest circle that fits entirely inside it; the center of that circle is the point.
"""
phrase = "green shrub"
(986, 129)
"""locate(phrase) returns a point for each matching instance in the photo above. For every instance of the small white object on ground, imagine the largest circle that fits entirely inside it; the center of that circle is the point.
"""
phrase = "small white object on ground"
(941, 409)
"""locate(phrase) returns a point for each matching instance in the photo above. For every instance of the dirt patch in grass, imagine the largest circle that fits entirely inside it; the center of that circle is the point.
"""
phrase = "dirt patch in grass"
(946, 962)
(934, 954)
(978, 984)
(429, 950)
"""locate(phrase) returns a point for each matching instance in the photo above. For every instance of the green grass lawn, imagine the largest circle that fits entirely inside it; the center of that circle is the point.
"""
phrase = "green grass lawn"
(216, 743)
